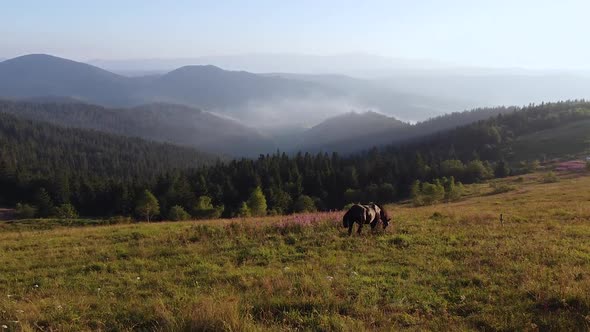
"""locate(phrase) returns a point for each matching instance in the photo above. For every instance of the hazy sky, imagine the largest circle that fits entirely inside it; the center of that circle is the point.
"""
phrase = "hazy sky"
(515, 33)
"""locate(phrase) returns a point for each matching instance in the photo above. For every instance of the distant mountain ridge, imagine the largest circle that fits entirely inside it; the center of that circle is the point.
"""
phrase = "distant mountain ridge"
(203, 86)
(349, 126)
(42, 75)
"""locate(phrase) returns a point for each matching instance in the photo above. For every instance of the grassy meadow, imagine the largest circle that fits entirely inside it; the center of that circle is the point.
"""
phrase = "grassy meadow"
(442, 267)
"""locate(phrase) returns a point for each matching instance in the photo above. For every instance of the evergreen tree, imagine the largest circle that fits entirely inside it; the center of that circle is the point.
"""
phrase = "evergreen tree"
(244, 211)
(43, 203)
(416, 194)
(257, 203)
(66, 211)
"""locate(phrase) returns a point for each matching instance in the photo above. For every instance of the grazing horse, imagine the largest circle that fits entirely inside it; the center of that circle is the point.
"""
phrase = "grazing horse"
(365, 214)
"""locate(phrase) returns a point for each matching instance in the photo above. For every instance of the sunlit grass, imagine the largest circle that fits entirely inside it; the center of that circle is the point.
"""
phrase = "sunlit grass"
(441, 267)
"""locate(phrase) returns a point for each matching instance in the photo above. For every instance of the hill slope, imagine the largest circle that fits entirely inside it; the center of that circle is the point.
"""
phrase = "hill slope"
(348, 126)
(160, 122)
(443, 267)
(384, 135)
(41, 149)
(40, 75)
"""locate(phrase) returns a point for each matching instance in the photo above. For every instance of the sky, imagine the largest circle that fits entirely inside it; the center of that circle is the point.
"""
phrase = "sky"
(500, 33)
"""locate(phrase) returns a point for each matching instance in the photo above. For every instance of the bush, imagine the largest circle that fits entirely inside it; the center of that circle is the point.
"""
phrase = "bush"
(432, 192)
(550, 178)
(244, 211)
(204, 209)
(304, 204)
(66, 211)
(499, 188)
(25, 211)
(453, 191)
(115, 220)
(177, 213)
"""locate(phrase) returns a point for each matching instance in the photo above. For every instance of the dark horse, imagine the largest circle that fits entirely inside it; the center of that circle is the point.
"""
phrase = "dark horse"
(365, 214)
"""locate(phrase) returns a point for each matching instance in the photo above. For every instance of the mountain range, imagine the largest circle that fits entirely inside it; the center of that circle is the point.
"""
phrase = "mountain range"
(252, 98)
(240, 113)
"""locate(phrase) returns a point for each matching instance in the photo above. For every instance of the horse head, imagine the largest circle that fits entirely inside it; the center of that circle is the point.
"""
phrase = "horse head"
(384, 217)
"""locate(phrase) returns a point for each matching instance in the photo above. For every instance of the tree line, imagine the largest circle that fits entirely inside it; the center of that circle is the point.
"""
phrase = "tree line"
(37, 175)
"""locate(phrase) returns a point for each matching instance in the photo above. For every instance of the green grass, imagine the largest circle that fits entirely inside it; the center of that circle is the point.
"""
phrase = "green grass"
(441, 267)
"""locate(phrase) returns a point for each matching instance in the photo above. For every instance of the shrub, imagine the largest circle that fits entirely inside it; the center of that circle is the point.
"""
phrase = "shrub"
(119, 220)
(177, 213)
(304, 204)
(204, 209)
(453, 191)
(432, 192)
(244, 210)
(499, 188)
(550, 178)
(66, 211)
(25, 211)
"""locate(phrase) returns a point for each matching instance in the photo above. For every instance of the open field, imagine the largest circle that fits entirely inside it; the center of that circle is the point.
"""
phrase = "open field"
(442, 267)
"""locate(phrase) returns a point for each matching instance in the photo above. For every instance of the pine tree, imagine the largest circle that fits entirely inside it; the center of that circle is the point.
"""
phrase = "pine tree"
(416, 194)
(43, 203)
(244, 211)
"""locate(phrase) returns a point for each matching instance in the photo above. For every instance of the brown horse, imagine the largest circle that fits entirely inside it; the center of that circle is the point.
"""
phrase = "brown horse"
(365, 214)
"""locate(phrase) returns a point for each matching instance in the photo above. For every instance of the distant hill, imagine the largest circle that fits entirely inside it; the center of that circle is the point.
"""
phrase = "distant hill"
(213, 87)
(348, 127)
(253, 98)
(387, 131)
(159, 122)
(39, 75)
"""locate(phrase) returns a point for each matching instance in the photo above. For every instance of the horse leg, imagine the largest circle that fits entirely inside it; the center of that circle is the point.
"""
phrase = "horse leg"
(374, 223)
(360, 229)
(350, 228)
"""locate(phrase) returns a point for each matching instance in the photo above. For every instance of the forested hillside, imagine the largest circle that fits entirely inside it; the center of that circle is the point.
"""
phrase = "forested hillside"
(471, 153)
(378, 136)
(73, 163)
(169, 123)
